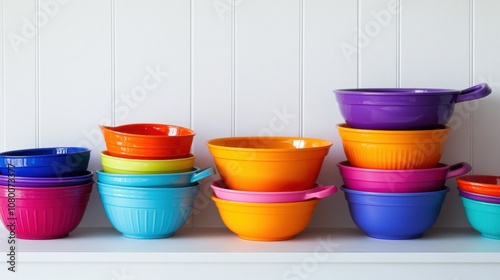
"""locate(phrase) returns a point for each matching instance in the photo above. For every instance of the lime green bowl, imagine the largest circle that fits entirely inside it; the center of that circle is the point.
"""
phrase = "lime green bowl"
(119, 165)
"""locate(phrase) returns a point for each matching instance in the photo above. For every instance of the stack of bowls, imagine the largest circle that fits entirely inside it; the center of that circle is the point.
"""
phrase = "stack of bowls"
(393, 140)
(268, 190)
(44, 192)
(148, 184)
(480, 195)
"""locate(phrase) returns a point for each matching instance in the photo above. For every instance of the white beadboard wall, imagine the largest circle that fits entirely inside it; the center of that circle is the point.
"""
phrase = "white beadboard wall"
(241, 67)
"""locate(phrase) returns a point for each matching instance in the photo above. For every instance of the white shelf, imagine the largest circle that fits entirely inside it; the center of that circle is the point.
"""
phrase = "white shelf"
(315, 253)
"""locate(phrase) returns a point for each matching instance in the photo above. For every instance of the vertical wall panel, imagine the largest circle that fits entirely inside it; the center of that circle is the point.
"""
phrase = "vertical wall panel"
(152, 62)
(20, 100)
(485, 118)
(75, 81)
(212, 91)
(2, 79)
(267, 67)
(435, 52)
(329, 36)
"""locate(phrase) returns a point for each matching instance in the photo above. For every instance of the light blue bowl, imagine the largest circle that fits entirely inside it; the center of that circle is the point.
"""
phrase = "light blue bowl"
(155, 180)
(483, 217)
(147, 213)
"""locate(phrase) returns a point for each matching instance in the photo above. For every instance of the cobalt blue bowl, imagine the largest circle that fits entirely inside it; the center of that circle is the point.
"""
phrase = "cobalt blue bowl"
(394, 215)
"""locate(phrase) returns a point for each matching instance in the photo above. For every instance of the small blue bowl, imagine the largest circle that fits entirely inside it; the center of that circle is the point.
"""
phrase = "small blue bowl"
(484, 217)
(394, 216)
(155, 180)
(45, 162)
(147, 213)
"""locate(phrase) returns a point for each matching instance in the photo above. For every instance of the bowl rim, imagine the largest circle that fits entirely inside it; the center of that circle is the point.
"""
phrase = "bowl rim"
(464, 180)
(402, 194)
(106, 154)
(191, 132)
(77, 150)
(347, 128)
(262, 204)
(396, 91)
(212, 143)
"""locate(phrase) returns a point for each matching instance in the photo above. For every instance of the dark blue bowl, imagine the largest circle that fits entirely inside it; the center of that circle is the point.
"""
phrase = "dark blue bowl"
(45, 162)
(394, 215)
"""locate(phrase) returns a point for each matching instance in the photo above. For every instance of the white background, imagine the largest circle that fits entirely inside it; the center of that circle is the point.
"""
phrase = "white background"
(229, 68)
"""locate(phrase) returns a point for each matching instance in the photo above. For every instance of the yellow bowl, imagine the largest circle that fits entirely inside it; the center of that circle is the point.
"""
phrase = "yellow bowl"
(269, 164)
(112, 164)
(393, 149)
(265, 221)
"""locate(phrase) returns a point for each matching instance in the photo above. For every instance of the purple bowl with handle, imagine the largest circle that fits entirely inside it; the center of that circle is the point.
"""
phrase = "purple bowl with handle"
(479, 197)
(47, 182)
(403, 108)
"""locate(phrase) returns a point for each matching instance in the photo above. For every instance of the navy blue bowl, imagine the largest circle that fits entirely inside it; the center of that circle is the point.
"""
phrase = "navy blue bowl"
(45, 162)
(394, 215)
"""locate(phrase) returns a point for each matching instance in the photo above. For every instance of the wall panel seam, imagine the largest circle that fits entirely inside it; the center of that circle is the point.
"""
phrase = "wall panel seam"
(301, 68)
(4, 112)
(37, 75)
(233, 67)
(113, 62)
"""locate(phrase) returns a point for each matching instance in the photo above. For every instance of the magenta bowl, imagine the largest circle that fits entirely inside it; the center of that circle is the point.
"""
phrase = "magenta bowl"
(403, 108)
(317, 192)
(43, 213)
(400, 181)
(479, 197)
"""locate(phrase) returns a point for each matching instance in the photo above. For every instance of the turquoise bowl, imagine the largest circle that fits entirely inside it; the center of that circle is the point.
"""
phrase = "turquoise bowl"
(483, 217)
(147, 213)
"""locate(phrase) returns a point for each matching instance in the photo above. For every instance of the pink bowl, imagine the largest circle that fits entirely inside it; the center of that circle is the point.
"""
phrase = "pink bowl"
(400, 181)
(223, 192)
(43, 213)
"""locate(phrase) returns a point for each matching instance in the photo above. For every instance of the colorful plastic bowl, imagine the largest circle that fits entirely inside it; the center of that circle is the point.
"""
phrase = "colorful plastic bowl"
(44, 182)
(118, 165)
(147, 213)
(155, 180)
(483, 217)
(269, 164)
(480, 184)
(479, 197)
(393, 149)
(394, 216)
(403, 108)
(148, 140)
(44, 213)
(45, 162)
(400, 181)
(223, 192)
(265, 221)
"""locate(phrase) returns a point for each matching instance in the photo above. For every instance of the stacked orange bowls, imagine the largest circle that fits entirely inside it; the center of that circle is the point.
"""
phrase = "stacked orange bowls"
(393, 140)
(268, 189)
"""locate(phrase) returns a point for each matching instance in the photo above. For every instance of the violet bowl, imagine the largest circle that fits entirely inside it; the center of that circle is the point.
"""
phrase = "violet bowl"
(403, 108)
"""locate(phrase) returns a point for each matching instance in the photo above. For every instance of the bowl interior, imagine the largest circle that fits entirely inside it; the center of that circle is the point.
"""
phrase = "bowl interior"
(151, 129)
(270, 143)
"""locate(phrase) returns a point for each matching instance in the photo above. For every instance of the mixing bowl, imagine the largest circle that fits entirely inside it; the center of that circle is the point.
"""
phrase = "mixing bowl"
(393, 149)
(147, 213)
(402, 108)
(148, 140)
(119, 165)
(45, 162)
(394, 215)
(480, 184)
(44, 213)
(410, 180)
(479, 197)
(44, 182)
(269, 164)
(223, 192)
(483, 217)
(265, 221)
(155, 180)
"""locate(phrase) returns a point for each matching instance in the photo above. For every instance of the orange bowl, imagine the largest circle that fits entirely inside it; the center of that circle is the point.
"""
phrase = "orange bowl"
(269, 164)
(480, 184)
(265, 221)
(148, 140)
(393, 149)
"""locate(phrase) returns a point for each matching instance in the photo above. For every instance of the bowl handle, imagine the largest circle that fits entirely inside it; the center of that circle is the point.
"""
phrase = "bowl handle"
(458, 169)
(320, 192)
(203, 173)
(474, 92)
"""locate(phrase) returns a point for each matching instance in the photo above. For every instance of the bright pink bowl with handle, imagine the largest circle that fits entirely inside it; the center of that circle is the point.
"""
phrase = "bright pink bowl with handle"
(400, 181)
(223, 192)
(43, 213)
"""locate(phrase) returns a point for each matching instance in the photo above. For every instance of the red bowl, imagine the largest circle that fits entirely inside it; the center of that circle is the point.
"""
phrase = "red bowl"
(480, 184)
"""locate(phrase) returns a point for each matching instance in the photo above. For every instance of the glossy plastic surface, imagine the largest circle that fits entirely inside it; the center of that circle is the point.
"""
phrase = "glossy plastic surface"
(393, 149)
(148, 140)
(265, 221)
(119, 165)
(483, 217)
(479, 197)
(43, 182)
(403, 108)
(269, 164)
(481, 184)
(400, 181)
(394, 215)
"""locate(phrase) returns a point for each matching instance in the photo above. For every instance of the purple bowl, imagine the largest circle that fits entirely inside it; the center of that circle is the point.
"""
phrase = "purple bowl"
(403, 108)
(45, 182)
(479, 197)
